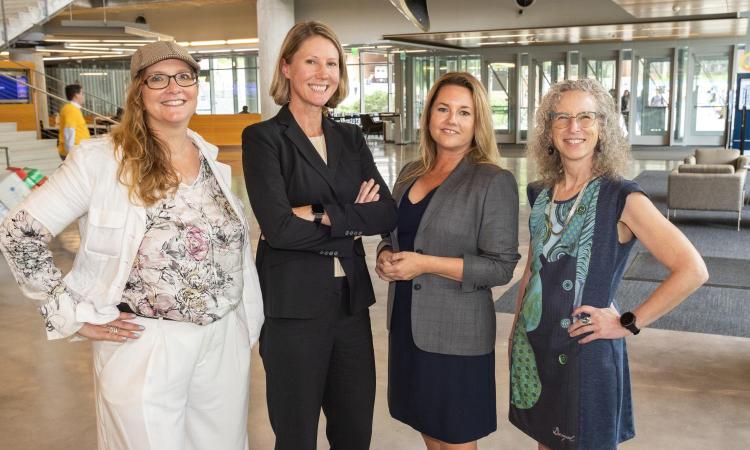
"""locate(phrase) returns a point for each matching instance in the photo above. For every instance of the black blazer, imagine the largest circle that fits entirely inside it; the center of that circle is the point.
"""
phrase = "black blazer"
(283, 170)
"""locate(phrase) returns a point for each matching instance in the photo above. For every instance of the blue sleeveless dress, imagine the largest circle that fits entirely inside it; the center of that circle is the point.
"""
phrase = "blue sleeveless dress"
(564, 394)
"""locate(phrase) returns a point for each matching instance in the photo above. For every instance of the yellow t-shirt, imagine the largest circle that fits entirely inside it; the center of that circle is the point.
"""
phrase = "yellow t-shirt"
(71, 117)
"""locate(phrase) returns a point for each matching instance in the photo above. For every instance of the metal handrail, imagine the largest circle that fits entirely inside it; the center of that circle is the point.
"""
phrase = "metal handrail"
(57, 97)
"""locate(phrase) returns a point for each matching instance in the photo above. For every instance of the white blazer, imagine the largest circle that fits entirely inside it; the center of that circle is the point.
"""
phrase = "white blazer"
(112, 228)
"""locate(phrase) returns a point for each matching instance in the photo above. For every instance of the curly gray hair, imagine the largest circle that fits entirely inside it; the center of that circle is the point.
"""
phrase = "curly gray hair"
(614, 149)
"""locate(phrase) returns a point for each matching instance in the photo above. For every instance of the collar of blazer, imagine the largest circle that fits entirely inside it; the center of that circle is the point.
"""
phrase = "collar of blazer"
(444, 191)
(334, 144)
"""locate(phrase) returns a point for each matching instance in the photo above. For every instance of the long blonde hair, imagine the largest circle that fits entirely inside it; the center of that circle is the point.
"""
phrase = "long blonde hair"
(145, 165)
(280, 87)
(613, 149)
(483, 147)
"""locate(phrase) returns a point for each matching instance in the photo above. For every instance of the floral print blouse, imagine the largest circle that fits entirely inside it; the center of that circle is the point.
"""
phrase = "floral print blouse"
(189, 265)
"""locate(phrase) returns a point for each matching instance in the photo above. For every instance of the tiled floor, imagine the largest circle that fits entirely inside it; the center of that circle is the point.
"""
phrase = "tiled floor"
(691, 391)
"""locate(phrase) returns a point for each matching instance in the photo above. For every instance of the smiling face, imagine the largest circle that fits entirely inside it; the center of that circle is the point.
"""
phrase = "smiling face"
(574, 142)
(313, 72)
(174, 105)
(452, 119)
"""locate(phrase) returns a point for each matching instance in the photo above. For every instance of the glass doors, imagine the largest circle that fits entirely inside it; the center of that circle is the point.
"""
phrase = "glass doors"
(653, 102)
(501, 79)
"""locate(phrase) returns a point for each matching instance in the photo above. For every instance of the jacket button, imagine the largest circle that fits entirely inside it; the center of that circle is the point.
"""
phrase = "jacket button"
(419, 250)
(417, 287)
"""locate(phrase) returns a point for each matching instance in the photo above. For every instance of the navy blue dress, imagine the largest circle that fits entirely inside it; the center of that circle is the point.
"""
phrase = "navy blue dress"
(566, 395)
(447, 397)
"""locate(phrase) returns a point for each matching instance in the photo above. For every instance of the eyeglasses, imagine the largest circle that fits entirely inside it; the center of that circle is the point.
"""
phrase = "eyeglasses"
(161, 80)
(585, 119)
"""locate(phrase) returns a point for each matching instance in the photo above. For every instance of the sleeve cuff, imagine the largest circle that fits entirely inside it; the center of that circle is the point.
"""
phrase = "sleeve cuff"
(60, 316)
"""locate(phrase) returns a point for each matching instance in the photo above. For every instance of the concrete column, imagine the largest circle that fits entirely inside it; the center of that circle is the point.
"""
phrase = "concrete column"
(39, 80)
(275, 18)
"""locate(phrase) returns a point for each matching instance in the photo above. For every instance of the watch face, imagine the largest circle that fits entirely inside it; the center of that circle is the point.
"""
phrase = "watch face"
(627, 319)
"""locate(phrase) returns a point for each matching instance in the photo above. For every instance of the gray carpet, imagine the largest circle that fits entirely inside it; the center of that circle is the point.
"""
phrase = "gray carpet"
(723, 272)
(714, 310)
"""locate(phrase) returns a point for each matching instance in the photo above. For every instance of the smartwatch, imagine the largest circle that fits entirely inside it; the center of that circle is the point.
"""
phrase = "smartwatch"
(318, 212)
(627, 320)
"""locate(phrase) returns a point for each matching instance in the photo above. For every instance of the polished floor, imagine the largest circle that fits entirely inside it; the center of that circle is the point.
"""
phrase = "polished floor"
(691, 391)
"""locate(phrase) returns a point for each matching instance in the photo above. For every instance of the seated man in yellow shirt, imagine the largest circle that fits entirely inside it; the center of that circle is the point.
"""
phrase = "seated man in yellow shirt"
(73, 128)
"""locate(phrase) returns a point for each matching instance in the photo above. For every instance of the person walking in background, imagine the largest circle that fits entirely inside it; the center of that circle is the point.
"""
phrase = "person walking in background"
(72, 127)
(570, 384)
(315, 190)
(457, 237)
(163, 282)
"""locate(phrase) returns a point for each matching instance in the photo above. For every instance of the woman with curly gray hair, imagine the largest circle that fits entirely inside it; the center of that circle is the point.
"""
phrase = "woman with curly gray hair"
(570, 386)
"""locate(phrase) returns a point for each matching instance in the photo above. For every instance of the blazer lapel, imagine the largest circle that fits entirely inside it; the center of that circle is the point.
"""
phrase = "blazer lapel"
(333, 145)
(443, 192)
(303, 144)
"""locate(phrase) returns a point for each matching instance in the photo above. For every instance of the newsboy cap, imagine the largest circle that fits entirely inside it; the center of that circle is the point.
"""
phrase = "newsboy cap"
(159, 51)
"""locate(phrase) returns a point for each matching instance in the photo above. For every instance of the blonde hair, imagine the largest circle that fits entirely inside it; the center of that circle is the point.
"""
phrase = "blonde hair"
(145, 165)
(483, 148)
(280, 87)
(613, 150)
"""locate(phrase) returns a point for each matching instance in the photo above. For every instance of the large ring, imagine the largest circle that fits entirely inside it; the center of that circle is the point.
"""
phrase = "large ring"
(113, 330)
(586, 320)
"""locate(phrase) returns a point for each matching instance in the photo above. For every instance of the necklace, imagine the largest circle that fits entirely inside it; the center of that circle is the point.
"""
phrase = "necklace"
(571, 213)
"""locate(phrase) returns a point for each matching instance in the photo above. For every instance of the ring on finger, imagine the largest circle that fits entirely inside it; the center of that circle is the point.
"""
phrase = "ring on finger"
(113, 330)
(586, 320)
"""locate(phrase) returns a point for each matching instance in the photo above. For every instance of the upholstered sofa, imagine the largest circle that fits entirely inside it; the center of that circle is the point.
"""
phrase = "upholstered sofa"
(710, 180)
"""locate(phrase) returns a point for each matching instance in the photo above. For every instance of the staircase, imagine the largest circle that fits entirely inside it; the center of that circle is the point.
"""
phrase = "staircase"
(25, 150)
(22, 15)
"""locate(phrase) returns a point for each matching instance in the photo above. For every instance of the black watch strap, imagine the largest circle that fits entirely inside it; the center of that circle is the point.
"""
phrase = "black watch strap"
(627, 320)
(318, 212)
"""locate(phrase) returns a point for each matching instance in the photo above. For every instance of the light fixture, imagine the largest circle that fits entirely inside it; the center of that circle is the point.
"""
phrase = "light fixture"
(242, 41)
(93, 74)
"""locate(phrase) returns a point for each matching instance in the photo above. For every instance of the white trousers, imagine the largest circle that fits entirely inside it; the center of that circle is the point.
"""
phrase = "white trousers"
(179, 386)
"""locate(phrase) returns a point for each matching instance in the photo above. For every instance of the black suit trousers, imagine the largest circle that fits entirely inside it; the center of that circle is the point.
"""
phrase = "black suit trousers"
(329, 362)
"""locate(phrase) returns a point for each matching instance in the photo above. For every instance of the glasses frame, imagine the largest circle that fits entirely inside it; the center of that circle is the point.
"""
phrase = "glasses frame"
(556, 115)
(169, 79)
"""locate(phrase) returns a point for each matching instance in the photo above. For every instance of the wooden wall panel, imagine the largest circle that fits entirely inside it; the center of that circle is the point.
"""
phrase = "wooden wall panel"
(222, 129)
(24, 114)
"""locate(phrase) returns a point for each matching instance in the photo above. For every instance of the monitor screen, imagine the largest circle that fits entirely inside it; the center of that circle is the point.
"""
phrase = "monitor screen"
(12, 89)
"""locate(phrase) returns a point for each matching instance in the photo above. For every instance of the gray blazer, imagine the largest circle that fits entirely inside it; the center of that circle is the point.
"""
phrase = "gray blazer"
(473, 215)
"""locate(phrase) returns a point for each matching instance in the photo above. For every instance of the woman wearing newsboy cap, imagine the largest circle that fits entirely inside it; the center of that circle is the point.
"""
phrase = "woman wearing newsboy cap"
(163, 284)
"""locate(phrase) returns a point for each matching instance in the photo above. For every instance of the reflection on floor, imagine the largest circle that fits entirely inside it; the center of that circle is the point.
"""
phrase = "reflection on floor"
(691, 391)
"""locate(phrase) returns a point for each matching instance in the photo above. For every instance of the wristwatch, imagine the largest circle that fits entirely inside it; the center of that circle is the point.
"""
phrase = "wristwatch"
(627, 320)
(318, 212)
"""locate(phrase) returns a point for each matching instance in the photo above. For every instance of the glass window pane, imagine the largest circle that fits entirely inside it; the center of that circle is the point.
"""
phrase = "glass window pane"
(375, 74)
(351, 103)
(473, 65)
(710, 93)
(500, 90)
(204, 90)
(523, 97)
(423, 79)
(223, 91)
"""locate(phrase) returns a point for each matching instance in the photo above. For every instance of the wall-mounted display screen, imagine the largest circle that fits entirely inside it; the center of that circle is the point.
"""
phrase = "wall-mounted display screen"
(12, 87)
